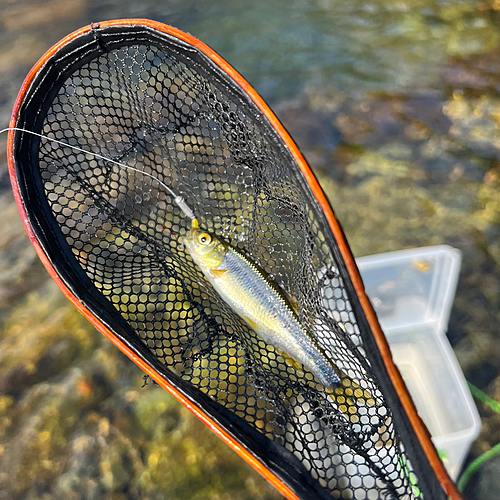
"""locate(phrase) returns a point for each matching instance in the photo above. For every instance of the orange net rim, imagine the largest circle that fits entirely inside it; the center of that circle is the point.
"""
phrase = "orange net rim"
(397, 381)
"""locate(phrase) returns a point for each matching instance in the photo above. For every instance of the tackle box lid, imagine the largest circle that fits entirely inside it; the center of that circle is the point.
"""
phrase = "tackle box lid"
(412, 286)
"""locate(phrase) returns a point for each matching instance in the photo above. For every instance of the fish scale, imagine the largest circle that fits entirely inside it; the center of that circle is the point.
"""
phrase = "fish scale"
(248, 291)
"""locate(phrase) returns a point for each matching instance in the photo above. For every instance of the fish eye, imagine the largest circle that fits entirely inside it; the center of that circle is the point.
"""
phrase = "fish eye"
(204, 239)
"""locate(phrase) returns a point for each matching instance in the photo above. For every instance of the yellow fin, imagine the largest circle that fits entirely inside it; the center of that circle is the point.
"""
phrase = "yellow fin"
(217, 273)
(250, 322)
(288, 359)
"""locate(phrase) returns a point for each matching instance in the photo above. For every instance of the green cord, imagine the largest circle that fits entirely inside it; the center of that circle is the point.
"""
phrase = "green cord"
(484, 398)
(476, 464)
(473, 467)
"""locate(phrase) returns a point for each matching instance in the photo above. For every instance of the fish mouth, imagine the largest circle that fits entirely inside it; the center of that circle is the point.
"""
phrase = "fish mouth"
(187, 242)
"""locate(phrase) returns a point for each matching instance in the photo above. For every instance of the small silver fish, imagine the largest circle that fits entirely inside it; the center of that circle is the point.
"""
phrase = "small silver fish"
(257, 300)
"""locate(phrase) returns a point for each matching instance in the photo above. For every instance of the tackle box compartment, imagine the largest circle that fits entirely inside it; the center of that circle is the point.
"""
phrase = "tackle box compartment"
(412, 293)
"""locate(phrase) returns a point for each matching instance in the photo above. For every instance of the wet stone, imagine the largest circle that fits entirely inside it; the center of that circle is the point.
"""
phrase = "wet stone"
(476, 73)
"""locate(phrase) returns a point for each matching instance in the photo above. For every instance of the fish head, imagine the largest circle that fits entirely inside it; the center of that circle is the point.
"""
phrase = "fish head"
(205, 248)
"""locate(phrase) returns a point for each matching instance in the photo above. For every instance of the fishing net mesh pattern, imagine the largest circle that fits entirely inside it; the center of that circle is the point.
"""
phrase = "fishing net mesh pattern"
(149, 103)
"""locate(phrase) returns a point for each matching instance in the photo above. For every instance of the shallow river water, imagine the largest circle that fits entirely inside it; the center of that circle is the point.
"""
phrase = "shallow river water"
(395, 104)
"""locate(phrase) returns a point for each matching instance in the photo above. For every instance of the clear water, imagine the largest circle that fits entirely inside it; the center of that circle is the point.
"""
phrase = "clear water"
(281, 46)
(394, 103)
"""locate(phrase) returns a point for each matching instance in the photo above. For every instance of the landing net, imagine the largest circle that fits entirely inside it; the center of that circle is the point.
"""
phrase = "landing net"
(147, 99)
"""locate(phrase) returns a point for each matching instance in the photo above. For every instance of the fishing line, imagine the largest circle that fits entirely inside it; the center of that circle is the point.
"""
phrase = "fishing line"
(358, 393)
(178, 200)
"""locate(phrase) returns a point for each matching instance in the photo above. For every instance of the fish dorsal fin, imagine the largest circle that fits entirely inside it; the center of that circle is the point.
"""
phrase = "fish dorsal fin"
(294, 304)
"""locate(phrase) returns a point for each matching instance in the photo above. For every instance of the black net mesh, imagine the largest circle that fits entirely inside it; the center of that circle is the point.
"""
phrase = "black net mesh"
(147, 101)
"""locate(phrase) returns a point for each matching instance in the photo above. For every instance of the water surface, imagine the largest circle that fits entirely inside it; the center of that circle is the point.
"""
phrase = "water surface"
(396, 105)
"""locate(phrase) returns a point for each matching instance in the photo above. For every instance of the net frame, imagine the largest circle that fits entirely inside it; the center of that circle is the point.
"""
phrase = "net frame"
(273, 462)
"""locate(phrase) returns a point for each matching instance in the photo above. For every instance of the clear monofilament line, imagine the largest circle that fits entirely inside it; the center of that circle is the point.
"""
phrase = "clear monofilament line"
(178, 200)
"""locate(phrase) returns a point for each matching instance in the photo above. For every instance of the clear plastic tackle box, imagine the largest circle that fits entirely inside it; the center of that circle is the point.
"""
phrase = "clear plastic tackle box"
(412, 292)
